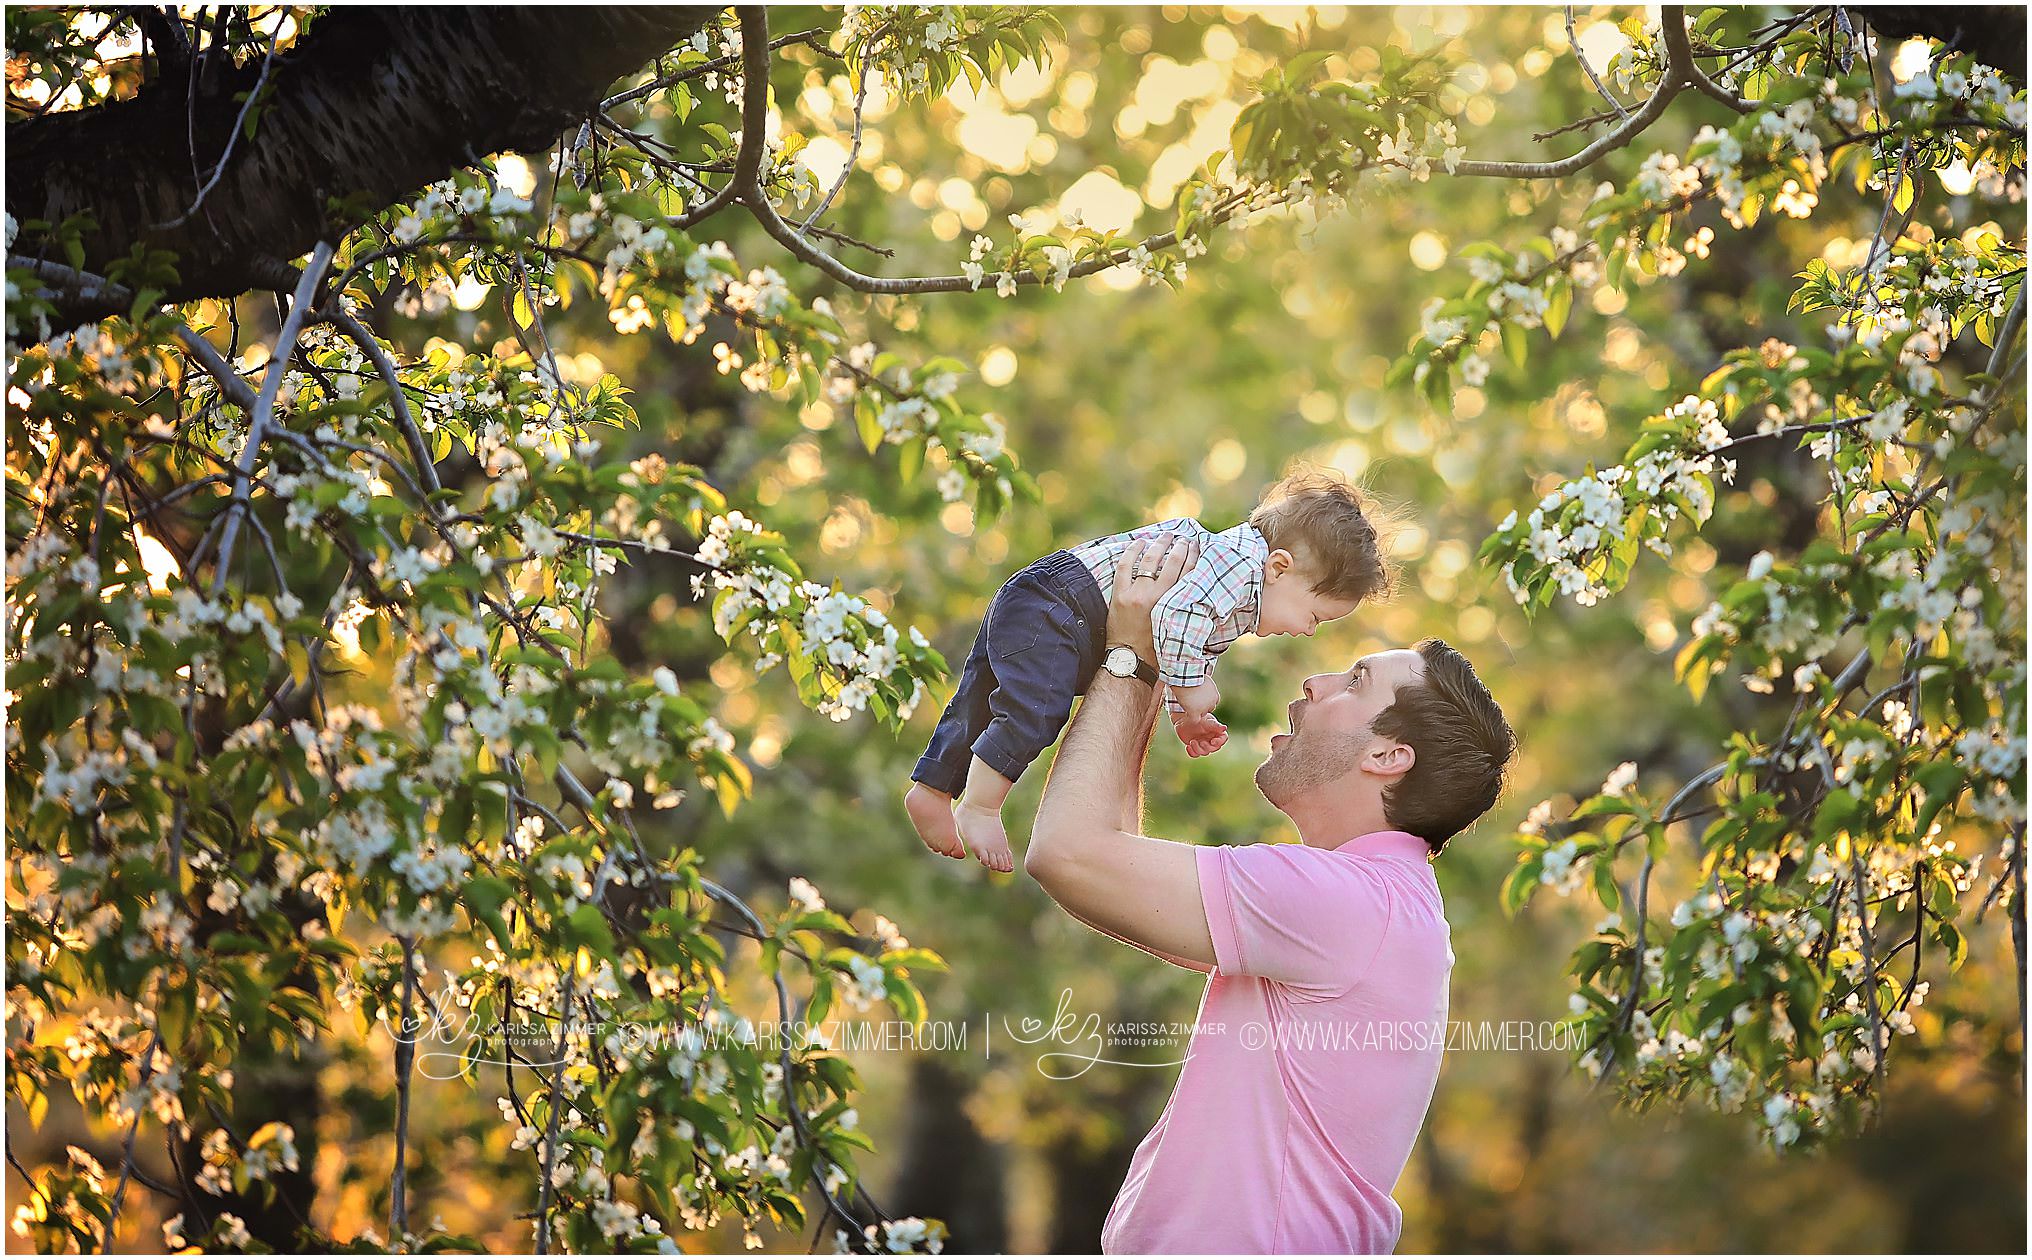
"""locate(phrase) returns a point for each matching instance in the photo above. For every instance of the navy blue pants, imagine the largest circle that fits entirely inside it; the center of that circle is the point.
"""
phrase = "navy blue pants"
(1038, 647)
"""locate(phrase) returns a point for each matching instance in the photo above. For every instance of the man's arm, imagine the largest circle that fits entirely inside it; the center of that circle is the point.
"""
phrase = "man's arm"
(1132, 823)
(1136, 888)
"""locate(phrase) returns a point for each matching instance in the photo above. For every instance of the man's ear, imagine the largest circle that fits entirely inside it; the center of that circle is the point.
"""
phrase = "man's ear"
(1387, 756)
(1278, 564)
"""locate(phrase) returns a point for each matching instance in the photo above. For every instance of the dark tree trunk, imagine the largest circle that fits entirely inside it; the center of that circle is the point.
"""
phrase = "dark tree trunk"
(369, 105)
(950, 1170)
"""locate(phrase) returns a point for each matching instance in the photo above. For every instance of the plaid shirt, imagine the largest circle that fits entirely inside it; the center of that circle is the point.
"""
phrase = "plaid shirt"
(1215, 604)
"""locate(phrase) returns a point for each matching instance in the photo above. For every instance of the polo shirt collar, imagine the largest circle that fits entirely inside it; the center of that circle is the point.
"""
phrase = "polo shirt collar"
(1397, 844)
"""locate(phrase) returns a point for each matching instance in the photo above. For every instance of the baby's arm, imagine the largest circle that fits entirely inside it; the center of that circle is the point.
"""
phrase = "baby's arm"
(1184, 623)
(1198, 700)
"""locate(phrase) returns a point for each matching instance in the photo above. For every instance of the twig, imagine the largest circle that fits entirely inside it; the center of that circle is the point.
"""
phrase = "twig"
(1589, 70)
(853, 155)
(348, 323)
(232, 137)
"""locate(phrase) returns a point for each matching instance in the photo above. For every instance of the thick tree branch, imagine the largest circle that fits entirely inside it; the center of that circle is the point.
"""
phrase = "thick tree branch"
(370, 104)
(1993, 34)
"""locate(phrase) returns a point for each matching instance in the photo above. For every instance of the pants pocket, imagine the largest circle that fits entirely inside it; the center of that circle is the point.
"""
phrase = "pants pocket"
(1026, 617)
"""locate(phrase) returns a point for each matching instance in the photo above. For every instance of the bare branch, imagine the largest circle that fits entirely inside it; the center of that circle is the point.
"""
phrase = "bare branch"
(1678, 74)
(405, 1060)
(264, 406)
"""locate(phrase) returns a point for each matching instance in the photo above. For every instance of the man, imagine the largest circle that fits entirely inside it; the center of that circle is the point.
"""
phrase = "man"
(1319, 1035)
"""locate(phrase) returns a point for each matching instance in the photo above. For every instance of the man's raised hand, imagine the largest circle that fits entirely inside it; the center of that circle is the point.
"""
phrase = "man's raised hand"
(1147, 568)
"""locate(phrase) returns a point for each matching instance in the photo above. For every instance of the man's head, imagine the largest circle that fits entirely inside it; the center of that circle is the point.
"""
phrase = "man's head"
(1325, 555)
(1410, 735)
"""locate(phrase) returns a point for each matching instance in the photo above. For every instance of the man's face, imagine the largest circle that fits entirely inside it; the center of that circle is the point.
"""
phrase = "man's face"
(1332, 724)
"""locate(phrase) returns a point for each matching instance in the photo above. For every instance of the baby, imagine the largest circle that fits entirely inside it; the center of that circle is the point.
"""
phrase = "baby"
(1307, 554)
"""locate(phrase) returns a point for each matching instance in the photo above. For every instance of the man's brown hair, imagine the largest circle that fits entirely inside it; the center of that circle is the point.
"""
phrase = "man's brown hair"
(1461, 743)
(1325, 523)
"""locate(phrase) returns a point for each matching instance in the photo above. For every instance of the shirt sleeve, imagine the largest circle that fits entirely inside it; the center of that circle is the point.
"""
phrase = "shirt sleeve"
(1301, 916)
(1186, 619)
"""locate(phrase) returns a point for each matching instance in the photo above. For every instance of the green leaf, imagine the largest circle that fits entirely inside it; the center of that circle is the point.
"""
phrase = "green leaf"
(870, 427)
(1557, 309)
(1605, 884)
(484, 896)
(1518, 885)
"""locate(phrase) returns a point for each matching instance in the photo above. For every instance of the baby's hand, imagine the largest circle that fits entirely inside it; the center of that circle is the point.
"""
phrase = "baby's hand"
(1201, 734)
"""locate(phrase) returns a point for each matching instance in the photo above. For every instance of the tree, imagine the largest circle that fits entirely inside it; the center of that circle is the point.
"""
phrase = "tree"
(446, 518)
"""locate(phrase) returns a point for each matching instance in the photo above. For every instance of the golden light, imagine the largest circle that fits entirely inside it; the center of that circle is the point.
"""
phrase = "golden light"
(1211, 128)
(1181, 501)
(825, 158)
(999, 139)
(1913, 55)
(512, 169)
(1348, 458)
(1428, 251)
(1101, 202)
(1407, 540)
(1219, 43)
(998, 366)
(156, 560)
(1318, 407)
(1024, 83)
(1474, 623)
(1600, 42)
(1958, 179)
(1225, 461)
(470, 293)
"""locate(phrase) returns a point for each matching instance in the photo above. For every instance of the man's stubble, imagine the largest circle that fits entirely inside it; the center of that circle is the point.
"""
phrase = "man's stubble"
(1308, 762)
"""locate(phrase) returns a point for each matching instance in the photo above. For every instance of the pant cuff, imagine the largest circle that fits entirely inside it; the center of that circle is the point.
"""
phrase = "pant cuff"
(1003, 761)
(939, 776)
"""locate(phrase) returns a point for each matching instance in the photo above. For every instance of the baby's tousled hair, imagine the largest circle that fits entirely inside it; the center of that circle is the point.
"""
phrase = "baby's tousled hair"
(1331, 530)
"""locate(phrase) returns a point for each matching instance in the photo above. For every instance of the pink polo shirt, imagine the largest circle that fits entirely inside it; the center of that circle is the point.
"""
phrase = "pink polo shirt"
(1315, 1056)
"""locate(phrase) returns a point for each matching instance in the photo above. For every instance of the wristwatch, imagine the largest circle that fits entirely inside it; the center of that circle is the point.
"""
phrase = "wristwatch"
(1123, 662)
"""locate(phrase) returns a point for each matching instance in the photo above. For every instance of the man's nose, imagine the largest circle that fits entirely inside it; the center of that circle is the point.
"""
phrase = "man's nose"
(1312, 686)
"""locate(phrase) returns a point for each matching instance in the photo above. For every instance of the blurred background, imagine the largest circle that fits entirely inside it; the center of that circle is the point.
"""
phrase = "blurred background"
(1131, 403)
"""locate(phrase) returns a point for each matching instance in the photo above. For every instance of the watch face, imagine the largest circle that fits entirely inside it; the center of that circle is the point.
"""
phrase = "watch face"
(1121, 662)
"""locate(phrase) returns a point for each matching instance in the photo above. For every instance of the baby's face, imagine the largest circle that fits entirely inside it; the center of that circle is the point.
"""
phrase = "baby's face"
(1291, 606)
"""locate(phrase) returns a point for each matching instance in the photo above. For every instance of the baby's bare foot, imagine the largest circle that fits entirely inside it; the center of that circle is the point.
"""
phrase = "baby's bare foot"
(931, 812)
(985, 837)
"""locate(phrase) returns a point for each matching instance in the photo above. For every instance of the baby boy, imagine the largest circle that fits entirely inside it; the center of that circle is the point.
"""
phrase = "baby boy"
(1308, 554)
